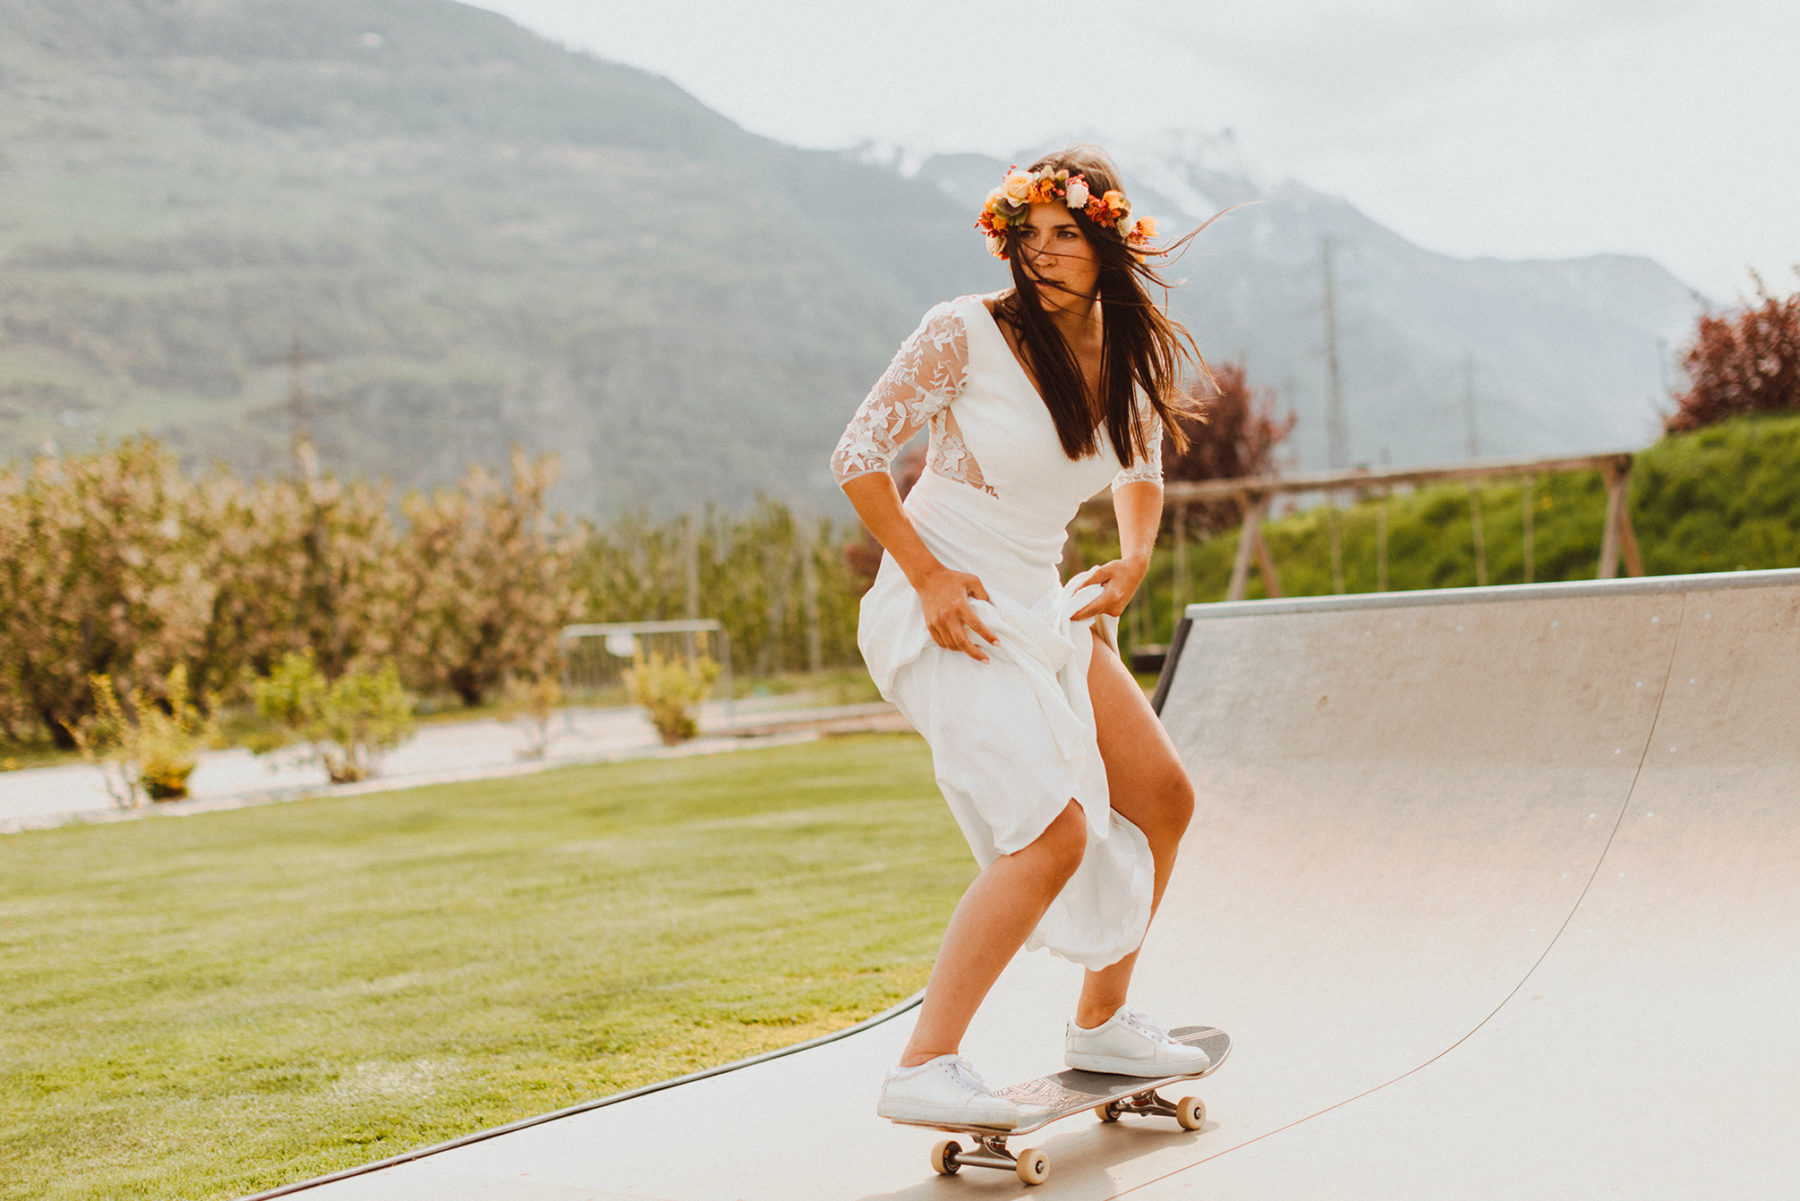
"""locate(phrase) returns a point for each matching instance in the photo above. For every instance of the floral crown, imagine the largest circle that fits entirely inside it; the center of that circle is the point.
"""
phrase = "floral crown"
(1007, 205)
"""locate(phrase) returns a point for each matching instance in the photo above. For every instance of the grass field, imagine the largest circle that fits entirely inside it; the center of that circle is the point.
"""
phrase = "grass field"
(208, 1006)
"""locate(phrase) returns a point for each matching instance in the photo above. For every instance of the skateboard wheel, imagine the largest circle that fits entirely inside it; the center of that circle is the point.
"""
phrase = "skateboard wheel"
(1033, 1166)
(1108, 1112)
(943, 1157)
(1191, 1113)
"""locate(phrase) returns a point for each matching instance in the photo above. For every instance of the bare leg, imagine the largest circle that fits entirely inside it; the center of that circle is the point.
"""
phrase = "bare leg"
(991, 922)
(1149, 788)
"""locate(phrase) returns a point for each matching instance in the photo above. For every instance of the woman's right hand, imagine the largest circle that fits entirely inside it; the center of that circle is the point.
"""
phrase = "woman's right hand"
(944, 595)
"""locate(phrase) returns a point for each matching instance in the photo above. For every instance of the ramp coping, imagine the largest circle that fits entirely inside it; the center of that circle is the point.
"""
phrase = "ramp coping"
(1710, 581)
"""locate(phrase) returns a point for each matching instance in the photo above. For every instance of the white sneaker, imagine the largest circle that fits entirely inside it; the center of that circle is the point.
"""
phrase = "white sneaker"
(945, 1089)
(1130, 1043)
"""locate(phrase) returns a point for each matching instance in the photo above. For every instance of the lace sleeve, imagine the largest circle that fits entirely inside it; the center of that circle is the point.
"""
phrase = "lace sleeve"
(1150, 467)
(925, 376)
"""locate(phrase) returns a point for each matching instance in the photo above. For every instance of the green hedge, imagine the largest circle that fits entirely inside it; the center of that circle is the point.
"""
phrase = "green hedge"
(1723, 499)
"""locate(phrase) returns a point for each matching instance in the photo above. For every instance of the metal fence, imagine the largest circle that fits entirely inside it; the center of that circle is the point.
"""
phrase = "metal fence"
(596, 655)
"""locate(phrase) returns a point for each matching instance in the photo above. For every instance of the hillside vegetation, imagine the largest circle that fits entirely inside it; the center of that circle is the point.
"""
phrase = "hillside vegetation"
(1724, 499)
(476, 236)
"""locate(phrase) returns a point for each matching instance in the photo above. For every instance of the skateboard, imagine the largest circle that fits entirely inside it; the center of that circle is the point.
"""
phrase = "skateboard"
(1052, 1098)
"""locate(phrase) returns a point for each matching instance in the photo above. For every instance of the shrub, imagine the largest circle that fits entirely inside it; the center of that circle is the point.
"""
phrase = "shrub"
(1742, 364)
(307, 562)
(101, 573)
(535, 702)
(142, 748)
(668, 690)
(349, 723)
(489, 581)
(1236, 438)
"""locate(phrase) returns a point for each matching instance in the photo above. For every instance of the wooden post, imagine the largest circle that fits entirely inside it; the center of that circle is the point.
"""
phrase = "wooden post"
(1247, 537)
(1178, 583)
(1634, 562)
(1480, 542)
(1337, 544)
(1529, 494)
(1618, 538)
(1264, 560)
(1381, 558)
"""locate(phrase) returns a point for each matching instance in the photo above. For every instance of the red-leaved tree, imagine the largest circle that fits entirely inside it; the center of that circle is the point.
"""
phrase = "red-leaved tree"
(1237, 438)
(1748, 362)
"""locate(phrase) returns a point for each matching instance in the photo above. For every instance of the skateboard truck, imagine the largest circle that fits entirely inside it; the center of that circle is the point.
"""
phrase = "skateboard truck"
(989, 1151)
(1189, 1112)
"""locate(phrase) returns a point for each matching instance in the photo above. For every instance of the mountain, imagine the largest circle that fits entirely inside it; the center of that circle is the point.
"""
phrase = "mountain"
(478, 238)
(475, 236)
(1565, 353)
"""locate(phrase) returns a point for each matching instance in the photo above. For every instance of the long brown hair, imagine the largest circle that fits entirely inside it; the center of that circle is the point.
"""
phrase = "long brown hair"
(1142, 346)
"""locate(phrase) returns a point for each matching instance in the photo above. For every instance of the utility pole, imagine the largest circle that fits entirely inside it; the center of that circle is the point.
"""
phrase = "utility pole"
(1336, 431)
(1481, 575)
(1336, 434)
(300, 413)
(1469, 403)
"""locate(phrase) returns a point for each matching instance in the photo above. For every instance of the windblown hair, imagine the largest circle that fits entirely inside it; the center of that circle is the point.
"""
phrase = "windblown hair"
(1142, 345)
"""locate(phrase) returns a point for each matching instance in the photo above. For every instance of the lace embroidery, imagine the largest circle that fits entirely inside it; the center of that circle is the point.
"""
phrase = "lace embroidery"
(916, 390)
(1150, 466)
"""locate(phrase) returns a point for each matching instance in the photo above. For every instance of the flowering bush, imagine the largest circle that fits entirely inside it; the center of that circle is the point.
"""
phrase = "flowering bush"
(143, 748)
(534, 702)
(668, 690)
(488, 581)
(100, 574)
(349, 723)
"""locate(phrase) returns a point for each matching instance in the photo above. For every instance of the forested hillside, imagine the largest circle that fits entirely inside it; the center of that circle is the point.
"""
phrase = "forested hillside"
(476, 237)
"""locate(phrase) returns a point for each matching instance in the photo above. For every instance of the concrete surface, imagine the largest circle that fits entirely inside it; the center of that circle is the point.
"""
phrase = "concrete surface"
(1495, 890)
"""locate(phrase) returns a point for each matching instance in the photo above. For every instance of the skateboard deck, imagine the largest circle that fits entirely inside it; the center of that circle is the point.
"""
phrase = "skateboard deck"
(1052, 1098)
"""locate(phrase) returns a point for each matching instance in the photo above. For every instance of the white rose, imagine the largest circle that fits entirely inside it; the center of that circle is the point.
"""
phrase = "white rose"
(1078, 193)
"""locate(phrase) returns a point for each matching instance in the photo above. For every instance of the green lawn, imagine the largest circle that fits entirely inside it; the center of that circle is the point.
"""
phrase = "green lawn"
(212, 1005)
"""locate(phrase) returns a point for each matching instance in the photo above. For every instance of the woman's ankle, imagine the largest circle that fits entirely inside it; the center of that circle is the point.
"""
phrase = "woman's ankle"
(913, 1059)
(1088, 1017)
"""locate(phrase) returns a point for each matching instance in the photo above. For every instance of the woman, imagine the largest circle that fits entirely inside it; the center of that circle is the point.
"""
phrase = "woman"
(1056, 768)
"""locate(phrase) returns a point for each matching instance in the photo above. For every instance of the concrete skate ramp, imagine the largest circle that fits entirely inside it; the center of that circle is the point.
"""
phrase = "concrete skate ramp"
(1497, 890)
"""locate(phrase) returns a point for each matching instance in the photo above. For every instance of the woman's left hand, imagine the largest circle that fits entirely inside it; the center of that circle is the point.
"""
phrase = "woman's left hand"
(1120, 578)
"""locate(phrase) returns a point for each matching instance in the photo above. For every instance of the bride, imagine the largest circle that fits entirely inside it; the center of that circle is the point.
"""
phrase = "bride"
(1051, 760)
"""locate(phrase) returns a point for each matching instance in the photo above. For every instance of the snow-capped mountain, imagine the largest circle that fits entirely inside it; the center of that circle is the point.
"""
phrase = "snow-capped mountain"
(1561, 355)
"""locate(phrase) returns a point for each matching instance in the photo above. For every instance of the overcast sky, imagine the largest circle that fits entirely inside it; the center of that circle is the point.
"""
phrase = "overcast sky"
(1539, 128)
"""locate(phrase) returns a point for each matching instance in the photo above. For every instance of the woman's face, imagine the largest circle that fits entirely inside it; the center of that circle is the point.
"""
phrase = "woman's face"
(1059, 255)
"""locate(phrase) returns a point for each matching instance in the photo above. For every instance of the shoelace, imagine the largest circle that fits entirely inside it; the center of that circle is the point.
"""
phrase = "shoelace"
(963, 1074)
(1139, 1020)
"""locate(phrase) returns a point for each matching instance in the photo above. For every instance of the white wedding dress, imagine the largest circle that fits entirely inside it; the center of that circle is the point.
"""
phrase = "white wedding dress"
(1012, 740)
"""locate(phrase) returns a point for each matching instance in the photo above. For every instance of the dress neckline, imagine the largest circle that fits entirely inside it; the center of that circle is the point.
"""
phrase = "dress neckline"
(993, 324)
(1012, 356)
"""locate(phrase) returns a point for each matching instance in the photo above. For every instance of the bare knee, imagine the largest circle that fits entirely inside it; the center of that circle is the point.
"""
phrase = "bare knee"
(1174, 807)
(1181, 798)
(1057, 852)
